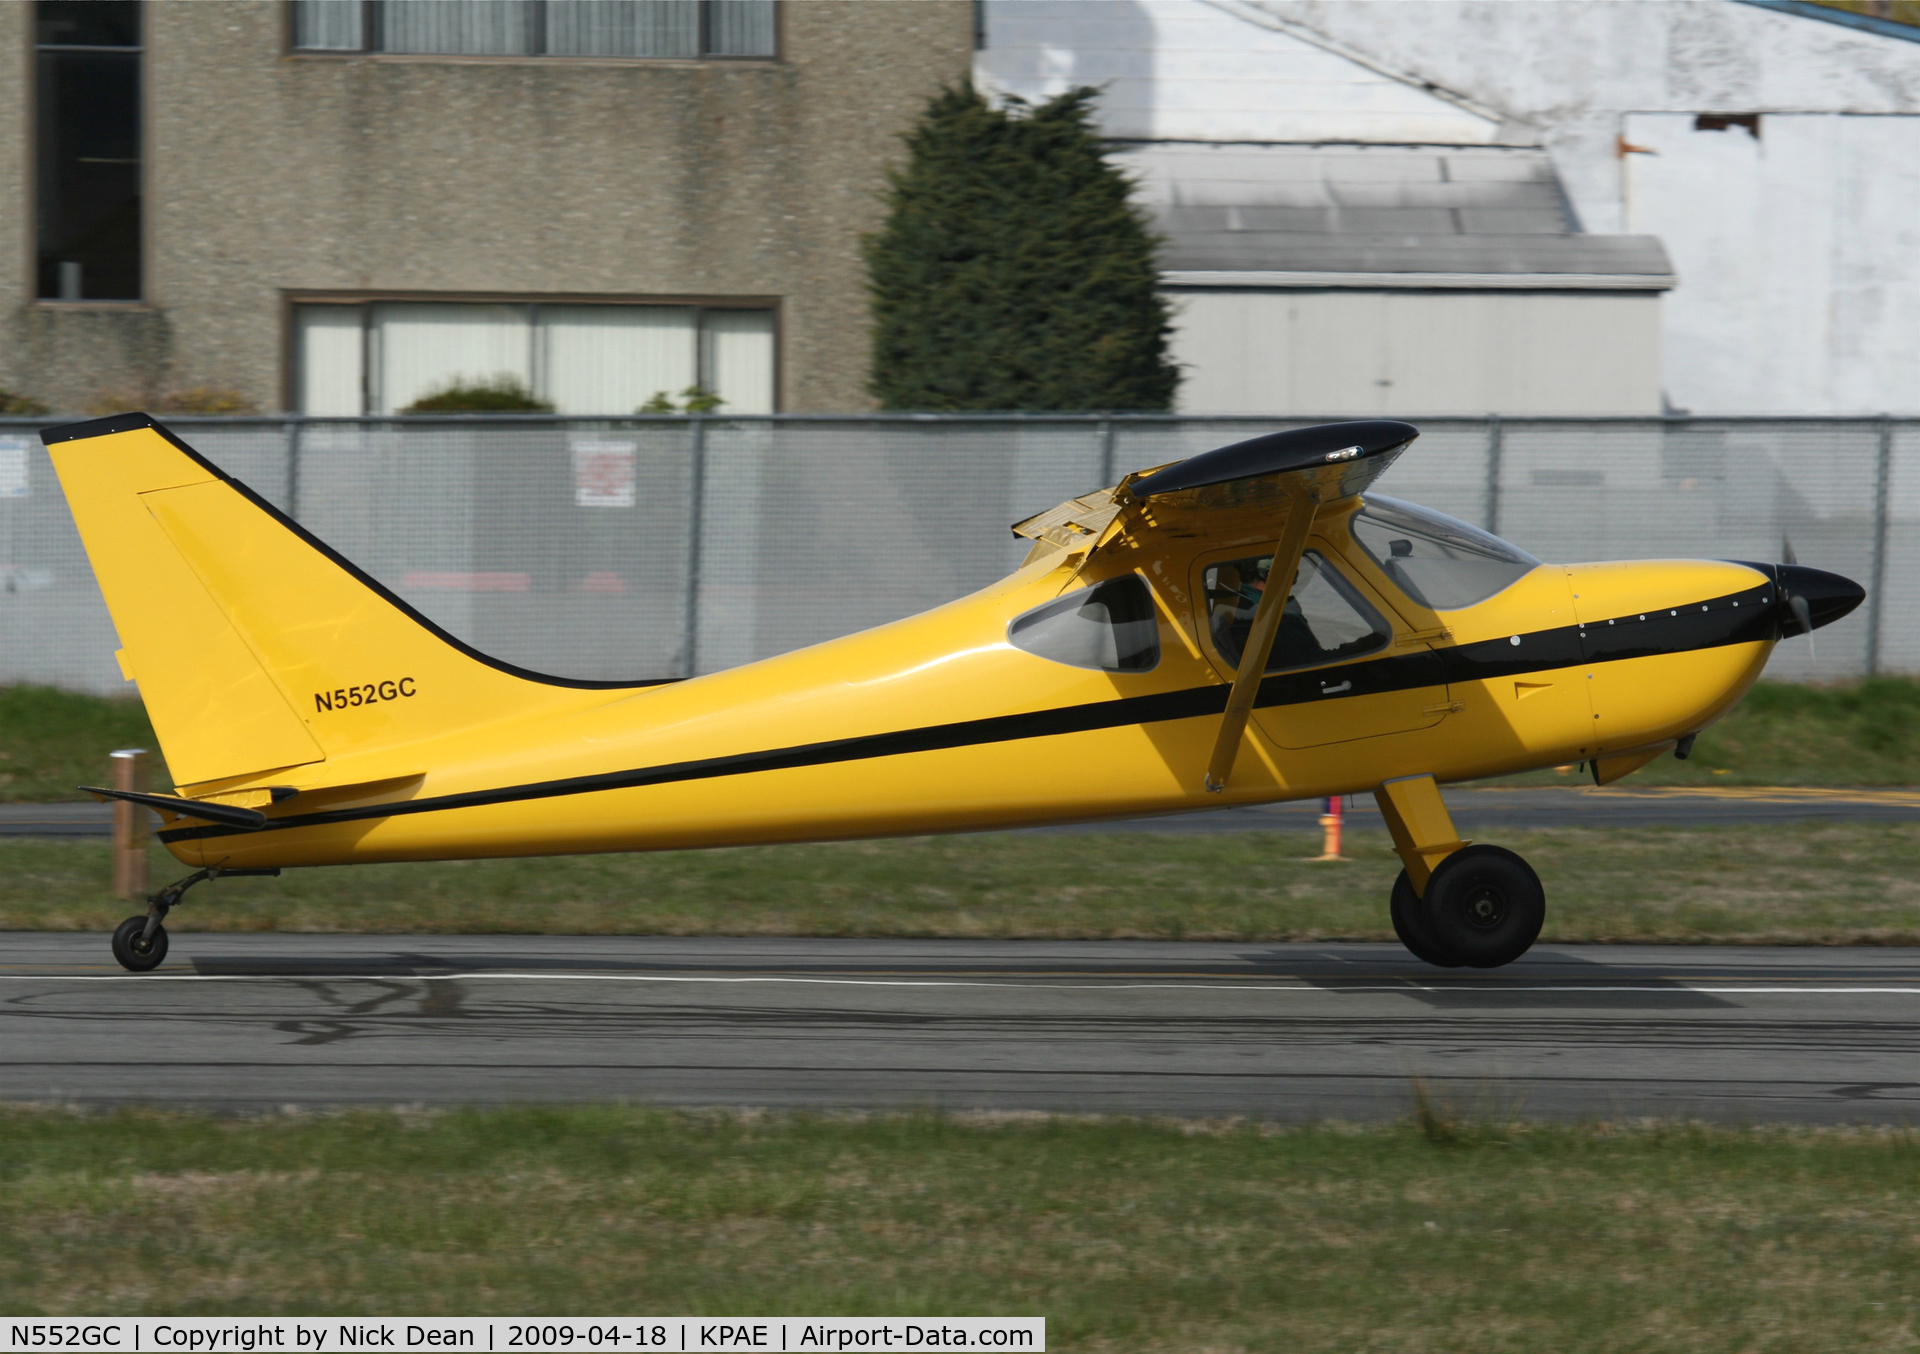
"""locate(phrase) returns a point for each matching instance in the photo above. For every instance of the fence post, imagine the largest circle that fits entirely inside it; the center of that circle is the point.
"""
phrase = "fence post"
(1495, 445)
(293, 469)
(696, 502)
(1882, 483)
(129, 825)
(1106, 452)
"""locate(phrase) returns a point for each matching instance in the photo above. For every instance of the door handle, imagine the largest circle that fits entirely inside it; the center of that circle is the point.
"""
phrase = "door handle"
(1326, 690)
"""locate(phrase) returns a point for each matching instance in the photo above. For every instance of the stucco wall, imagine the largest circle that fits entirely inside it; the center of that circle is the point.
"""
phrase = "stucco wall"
(1187, 70)
(1790, 300)
(1795, 249)
(271, 174)
(1354, 353)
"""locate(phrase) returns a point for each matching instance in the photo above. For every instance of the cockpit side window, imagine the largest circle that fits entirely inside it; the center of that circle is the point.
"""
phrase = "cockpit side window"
(1439, 561)
(1325, 619)
(1110, 626)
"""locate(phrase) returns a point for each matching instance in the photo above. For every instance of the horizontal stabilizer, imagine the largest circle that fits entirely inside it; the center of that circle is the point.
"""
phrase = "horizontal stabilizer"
(227, 815)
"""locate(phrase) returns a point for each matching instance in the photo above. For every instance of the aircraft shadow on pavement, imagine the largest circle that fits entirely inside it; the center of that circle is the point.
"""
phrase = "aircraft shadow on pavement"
(1545, 979)
(313, 966)
(403, 964)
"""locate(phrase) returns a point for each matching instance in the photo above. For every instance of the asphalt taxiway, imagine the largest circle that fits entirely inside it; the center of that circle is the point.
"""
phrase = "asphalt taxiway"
(1288, 1032)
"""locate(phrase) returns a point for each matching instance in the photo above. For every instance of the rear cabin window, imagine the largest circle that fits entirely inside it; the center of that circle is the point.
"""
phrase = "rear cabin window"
(1110, 626)
(1439, 561)
(1325, 620)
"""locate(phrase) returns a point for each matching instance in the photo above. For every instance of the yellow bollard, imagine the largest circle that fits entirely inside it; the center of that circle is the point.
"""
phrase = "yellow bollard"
(129, 825)
(1330, 830)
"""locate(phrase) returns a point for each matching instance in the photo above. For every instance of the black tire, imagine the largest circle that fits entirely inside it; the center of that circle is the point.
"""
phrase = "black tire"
(133, 952)
(1410, 925)
(1485, 906)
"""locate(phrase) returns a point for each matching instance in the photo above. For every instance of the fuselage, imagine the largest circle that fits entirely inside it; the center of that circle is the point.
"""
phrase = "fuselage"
(943, 722)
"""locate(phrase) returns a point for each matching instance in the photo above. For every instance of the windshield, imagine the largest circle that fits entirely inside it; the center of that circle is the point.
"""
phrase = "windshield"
(1439, 561)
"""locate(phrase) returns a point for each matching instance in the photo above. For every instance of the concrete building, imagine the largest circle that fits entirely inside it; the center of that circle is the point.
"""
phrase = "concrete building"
(336, 206)
(1774, 147)
(1770, 147)
(1448, 279)
(1341, 238)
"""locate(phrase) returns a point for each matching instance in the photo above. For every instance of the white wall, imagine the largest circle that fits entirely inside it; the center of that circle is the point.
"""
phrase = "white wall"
(1189, 70)
(1790, 300)
(1796, 254)
(1575, 68)
(1356, 353)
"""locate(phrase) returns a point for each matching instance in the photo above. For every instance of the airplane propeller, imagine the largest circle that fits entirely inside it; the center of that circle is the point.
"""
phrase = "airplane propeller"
(1810, 598)
(1804, 614)
(1796, 602)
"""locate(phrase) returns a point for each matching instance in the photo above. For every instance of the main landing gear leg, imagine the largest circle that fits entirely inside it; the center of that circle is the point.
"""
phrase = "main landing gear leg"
(140, 943)
(1456, 903)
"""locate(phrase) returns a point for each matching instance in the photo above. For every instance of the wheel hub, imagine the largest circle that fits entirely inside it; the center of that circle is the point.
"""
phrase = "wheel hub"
(1484, 909)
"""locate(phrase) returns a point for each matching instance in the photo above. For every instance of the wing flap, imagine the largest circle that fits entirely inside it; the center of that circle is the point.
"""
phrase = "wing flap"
(1073, 523)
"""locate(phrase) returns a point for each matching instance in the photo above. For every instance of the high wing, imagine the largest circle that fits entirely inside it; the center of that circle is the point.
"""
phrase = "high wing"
(1297, 471)
(1328, 461)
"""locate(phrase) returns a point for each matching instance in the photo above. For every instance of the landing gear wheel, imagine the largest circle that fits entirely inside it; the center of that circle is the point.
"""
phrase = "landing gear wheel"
(1410, 925)
(1484, 906)
(135, 949)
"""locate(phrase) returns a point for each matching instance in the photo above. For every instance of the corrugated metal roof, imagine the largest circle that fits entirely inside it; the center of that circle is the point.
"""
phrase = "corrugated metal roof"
(1335, 215)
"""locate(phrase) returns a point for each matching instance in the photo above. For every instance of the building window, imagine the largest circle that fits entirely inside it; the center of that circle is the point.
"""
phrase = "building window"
(592, 359)
(683, 29)
(87, 149)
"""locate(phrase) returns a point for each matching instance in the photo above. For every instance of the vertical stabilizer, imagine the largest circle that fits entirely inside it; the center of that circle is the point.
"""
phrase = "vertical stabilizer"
(257, 648)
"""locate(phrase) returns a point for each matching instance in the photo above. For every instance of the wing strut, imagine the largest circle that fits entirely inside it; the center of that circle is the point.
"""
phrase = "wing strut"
(1260, 637)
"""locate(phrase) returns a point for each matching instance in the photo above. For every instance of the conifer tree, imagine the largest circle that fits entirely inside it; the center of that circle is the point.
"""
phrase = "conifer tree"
(1013, 272)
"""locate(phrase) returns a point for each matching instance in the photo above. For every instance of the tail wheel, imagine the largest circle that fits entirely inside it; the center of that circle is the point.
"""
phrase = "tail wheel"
(1411, 926)
(135, 949)
(1484, 906)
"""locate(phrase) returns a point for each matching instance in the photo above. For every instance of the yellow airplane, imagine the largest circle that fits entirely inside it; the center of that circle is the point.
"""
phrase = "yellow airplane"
(1245, 626)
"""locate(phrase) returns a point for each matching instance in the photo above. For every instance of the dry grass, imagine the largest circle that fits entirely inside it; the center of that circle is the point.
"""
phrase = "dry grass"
(1815, 883)
(1126, 1235)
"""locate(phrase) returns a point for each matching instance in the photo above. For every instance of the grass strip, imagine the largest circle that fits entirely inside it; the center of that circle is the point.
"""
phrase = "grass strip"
(52, 742)
(1809, 883)
(1863, 733)
(1433, 1234)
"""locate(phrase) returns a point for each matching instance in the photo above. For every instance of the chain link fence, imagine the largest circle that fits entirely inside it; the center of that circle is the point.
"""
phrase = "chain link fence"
(668, 546)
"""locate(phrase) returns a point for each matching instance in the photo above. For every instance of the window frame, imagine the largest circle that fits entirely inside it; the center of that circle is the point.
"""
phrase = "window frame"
(367, 52)
(1332, 560)
(30, 195)
(366, 300)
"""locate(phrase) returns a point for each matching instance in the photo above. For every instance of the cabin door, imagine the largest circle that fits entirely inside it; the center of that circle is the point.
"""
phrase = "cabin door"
(1336, 673)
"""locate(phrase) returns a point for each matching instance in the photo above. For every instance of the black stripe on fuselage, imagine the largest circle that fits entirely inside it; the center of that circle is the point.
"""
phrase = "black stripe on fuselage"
(1736, 618)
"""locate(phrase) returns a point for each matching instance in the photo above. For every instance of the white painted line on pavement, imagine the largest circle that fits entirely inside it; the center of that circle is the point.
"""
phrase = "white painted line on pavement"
(1296, 987)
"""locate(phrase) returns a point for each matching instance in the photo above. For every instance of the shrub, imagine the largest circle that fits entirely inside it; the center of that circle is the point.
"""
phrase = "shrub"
(699, 400)
(12, 402)
(193, 400)
(502, 394)
(1013, 272)
(204, 400)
